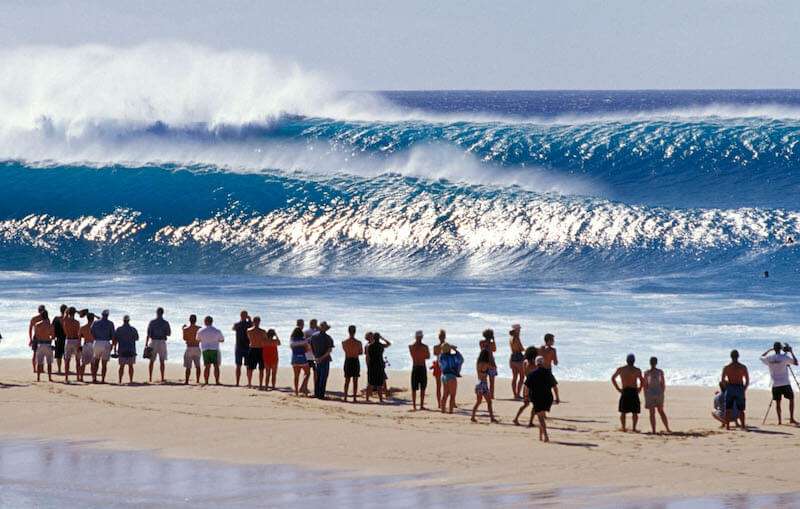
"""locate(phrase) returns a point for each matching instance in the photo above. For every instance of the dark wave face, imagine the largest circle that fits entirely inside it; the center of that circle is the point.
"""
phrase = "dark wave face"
(556, 186)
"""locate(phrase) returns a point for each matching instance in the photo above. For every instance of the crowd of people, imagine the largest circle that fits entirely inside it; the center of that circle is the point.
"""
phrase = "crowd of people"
(92, 344)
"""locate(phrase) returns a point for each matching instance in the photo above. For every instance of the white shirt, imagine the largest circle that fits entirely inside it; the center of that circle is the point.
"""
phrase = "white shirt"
(778, 371)
(210, 337)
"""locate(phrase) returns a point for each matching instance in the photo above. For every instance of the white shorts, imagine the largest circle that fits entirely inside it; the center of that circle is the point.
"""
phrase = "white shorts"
(159, 349)
(102, 350)
(43, 352)
(191, 356)
(71, 349)
(87, 353)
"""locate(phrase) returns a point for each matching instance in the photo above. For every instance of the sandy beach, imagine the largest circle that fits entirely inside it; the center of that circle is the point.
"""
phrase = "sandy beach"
(249, 426)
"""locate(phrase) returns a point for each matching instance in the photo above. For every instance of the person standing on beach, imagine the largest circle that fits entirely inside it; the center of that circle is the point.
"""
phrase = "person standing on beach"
(550, 356)
(778, 364)
(33, 344)
(488, 344)
(298, 345)
(632, 383)
(528, 365)
(436, 368)
(541, 385)
(376, 367)
(257, 338)
(192, 354)
(482, 391)
(516, 361)
(87, 350)
(353, 349)
(654, 387)
(60, 335)
(322, 345)
(737, 379)
(157, 333)
(210, 337)
(43, 336)
(103, 332)
(450, 361)
(271, 358)
(420, 353)
(309, 333)
(72, 346)
(242, 342)
(124, 344)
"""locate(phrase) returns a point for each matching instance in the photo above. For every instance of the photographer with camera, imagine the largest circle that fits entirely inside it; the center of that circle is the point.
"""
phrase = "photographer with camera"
(778, 363)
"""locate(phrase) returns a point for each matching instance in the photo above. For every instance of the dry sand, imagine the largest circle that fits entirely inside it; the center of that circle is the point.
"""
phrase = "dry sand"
(251, 426)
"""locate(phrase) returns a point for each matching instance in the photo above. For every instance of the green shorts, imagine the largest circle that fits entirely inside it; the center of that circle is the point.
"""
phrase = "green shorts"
(210, 357)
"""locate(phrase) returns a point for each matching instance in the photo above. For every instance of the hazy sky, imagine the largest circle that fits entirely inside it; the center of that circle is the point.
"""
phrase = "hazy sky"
(432, 44)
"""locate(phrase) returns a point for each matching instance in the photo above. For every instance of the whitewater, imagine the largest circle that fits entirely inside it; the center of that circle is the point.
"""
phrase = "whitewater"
(664, 223)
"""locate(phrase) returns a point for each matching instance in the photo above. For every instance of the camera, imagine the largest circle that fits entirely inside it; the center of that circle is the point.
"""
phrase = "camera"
(787, 348)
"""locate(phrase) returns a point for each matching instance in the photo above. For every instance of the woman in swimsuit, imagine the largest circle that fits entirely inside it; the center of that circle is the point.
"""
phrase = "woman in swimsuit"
(271, 357)
(528, 366)
(436, 368)
(482, 389)
(487, 344)
(450, 361)
(516, 362)
(298, 344)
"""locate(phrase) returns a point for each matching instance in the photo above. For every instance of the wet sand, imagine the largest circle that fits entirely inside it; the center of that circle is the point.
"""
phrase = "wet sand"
(243, 426)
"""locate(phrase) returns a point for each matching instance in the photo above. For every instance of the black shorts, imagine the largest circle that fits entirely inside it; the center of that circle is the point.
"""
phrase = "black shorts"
(352, 368)
(419, 378)
(629, 401)
(255, 358)
(543, 403)
(240, 355)
(782, 391)
(60, 344)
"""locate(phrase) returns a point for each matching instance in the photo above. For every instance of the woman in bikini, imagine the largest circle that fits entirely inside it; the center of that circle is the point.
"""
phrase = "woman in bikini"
(299, 344)
(482, 391)
(271, 358)
(517, 361)
(487, 344)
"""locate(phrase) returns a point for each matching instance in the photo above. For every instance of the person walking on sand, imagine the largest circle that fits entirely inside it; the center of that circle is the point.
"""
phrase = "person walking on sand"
(124, 344)
(420, 353)
(103, 332)
(541, 385)
(550, 356)
(528, 365)
(192, 354)
(482, 391)
(376, 368)
(299, 344)
(737, 379)
(210, 337)
(271, 358)
(654, 387)
(157, 333)
(72, 346)
(43, 336)
(87, 350)
(488, 344)
(353, 349)
(516, 361)
(255, 356)
(778, 363)
(60, 335)
(33, 344)
(450, 361)
(631, 378)
(436, 368)
(242, 342)
(322, 345)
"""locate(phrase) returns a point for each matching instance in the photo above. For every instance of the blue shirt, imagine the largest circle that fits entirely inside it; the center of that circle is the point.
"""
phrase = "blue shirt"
(158, 329)
(103, 330)
(126, 337)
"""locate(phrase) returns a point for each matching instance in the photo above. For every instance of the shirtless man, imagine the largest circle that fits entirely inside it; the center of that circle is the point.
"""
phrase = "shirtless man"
(437, 371)
(192, 354)
(34, 320)
(420, 353)
(737, 379)
(255, 356)
(632, 383)
(72, 345)
(550, 356)
(43, 335)
(87, 350)
(353, 349)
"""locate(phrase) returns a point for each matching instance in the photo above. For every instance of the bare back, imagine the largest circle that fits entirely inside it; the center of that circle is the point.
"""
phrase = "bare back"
(190, 335)
(72, 328)
(419, 353)
(630, 377)
(735, 373)
(352, 348)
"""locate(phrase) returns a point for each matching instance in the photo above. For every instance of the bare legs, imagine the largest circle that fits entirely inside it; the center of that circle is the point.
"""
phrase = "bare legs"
(449, 392)
(517, 379)
(634, 418)
(130, 374)
(663, 415)
(478, 400)
(543, 426)
(298, 387)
